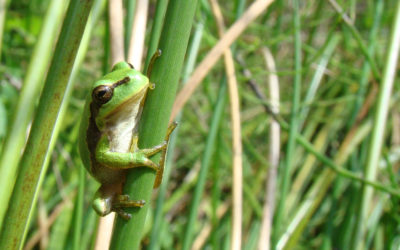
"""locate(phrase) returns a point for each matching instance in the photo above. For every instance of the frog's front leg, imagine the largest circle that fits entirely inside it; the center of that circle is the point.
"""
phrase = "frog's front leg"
(119, 160)
(138, 158)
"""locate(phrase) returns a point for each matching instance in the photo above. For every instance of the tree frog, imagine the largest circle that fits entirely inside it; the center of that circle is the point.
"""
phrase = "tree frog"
(109, 137)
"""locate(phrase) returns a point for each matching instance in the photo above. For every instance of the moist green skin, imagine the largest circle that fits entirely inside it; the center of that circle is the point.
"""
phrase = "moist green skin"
(94, 118)
(108, 137)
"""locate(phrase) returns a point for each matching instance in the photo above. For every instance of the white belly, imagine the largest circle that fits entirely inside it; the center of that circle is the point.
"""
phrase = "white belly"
(122, 126)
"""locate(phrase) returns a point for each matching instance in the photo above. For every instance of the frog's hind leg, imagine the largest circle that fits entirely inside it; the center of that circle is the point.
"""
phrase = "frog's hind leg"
(141, 156)
(123, 214)
(160, 170)
(123, 201)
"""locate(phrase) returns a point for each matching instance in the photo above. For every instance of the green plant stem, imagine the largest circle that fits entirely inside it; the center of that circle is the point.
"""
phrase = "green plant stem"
(251, 200)
(317, 77)
(35, 154)
(378, 130)
(153, 126)
(348, 226)
(358, 38)
(366, 69)
(79, 205)
(155, 239)
(32, 86)
(335, 167)
(3, 7)
(313, 30)
(329, 162)
(317, 193)
(98, 8)
(59, 232)
(294, 123)
(304, 177)
(156, 29)
(216, 191)
(180, 193)
(205, 164)
(344, 172)
(130, 14)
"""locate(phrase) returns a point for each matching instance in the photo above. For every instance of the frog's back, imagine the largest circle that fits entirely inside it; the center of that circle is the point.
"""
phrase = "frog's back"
(88, 140)
(89, 132)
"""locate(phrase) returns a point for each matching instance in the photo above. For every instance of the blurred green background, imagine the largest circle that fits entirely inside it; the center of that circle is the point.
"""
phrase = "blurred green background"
(334, 60)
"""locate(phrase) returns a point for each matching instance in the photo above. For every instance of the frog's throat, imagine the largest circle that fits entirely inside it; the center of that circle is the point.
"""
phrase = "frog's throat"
(120, 127)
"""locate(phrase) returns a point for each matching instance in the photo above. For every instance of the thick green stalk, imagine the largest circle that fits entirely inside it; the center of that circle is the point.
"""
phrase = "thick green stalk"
(156, 29)
(37, 149)
(98, 8)
(31, 88)
(294, 122)
(153, 126)
(155, 239)
(378, 130)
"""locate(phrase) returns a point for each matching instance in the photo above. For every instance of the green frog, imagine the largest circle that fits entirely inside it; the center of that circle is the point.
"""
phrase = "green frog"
(109, 137)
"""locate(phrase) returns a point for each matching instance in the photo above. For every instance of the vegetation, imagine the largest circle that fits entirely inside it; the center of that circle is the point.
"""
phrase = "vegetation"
(288, 116)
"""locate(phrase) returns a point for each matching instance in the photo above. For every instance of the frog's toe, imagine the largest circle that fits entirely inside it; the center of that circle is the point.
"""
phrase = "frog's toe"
(149, 163)
(123, 214)
(125, 202)
(141, 203)
(122, 197)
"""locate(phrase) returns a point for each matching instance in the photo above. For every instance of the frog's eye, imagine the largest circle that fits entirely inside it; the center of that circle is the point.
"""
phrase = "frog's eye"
(102, 94)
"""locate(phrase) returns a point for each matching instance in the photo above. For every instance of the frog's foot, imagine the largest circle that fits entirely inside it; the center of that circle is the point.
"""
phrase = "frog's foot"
(161, 164)
(142, 156)
(123, 214)
(154, 150)
(170, 129)
(150, 164)
(162, 146)
(122, 201)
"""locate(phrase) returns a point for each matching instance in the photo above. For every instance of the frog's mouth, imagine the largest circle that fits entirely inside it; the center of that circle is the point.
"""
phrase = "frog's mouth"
(122, 124)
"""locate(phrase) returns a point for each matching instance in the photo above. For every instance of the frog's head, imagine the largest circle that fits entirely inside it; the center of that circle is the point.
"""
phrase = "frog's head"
(119, 94)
